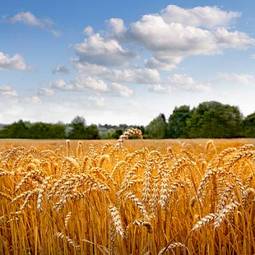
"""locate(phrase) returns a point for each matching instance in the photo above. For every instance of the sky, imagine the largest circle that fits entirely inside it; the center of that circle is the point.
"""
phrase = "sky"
(123, 61)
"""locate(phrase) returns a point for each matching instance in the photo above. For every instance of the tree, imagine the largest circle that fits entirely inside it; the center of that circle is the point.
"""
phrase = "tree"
(116, 133)
(78, 120)
(40, 130)
(177, 122)
(77, 128)
(91, 132)
(249, 125)
(18, 129)
(215, 120)
(157, 127)
(57, 131)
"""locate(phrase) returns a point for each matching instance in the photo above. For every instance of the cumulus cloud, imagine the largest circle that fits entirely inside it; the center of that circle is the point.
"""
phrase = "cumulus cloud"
(115, 61)
(60, 85)
(30, 19)
(168, 37)
(116, 26)
(236, 39)
(46, 92)
(15, 62)
(158, 88)
(185, 82)
(120, 79)
(88, 30)
(34, 99)
(80, 83)
(170, 43)
(97, 100)
(102, 51)
(238, 78)
(60, 69)
(180, 82)
(124, 75)
(6, 90)
(87, 82)
(208, 16)
(122, 89)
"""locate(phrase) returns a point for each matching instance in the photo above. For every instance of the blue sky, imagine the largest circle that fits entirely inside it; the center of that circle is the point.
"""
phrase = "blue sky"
(116, 62)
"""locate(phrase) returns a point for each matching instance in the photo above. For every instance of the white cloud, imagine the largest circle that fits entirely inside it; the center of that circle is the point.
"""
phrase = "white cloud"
(122, 89)
(87, 82)
(80, 83)
(34, 99)
(92, 84)
(116, 66)
(180, 82)
(208, 16)
(157, 35)
(120, 75)
(30, 19)
(236, 78)
(102, 51)
(60, 85)
(228, 39)
(88, 30)
(158, 88)
(137, 75)
(116, 26)
(60, 69)
(28, 100)
(160, 42)
(6, 90)
(185, 82)
(97, 100)
(16, 62)
(46, 92)
(170, 43)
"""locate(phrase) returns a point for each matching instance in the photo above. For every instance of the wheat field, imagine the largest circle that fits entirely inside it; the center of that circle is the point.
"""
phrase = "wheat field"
(127, 197)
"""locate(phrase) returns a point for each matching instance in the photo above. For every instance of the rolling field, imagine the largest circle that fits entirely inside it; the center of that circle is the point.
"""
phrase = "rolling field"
(127, 197)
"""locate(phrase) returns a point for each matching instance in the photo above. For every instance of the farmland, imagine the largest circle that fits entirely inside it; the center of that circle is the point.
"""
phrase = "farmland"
(127, 197)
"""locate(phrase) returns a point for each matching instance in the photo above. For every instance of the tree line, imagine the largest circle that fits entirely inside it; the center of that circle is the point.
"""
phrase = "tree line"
(77, 129)
(207, 120)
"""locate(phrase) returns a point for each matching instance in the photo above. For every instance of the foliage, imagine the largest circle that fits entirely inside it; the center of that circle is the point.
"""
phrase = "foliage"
(207, 120)
(77, 128)
(39, 130)
(19, 129)
(177, 122)
(215, 120)
(249, 126)
(157, 127)
(91, 132)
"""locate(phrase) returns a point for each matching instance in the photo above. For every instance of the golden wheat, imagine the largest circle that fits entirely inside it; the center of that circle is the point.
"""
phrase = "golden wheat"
(127, 197)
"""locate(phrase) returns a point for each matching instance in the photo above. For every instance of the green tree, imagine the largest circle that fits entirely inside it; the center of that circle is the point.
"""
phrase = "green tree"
(215, 120)
(40, 130)
(177, 122)
(116, 133)
(157, 127)
(91, 132)
(18, 129)
(249, 126)
(77, 128)
(57, 131)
